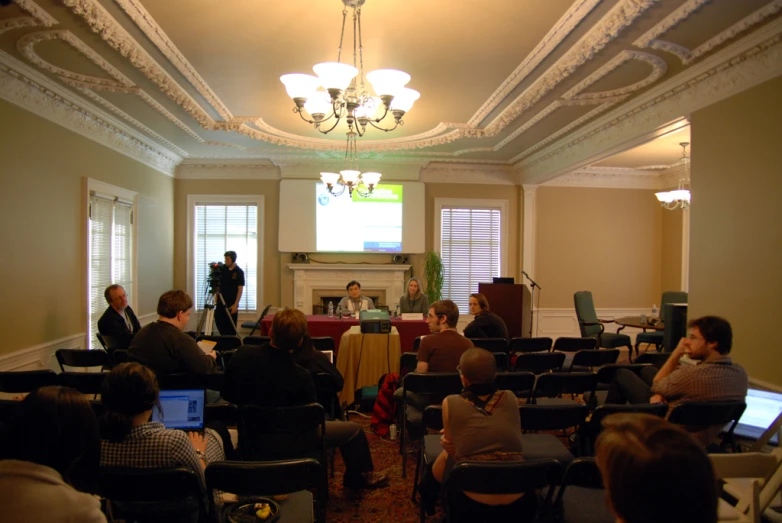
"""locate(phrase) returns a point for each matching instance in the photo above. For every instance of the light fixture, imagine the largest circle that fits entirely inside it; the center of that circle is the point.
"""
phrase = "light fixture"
(338, 89)
(679, 198)
(350, 177)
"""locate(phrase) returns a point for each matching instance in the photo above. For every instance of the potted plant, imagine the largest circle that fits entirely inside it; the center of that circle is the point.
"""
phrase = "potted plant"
(433, 274)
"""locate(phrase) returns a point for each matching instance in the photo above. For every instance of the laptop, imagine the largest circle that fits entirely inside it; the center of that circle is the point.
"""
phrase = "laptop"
(181, 409)
(763, 407)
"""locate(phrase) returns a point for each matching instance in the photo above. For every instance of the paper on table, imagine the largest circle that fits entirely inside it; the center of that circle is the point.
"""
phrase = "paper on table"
(207, 346)
(412, 316)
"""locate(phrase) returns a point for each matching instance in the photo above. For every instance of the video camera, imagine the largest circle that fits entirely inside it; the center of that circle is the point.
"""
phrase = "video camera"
(214, 275)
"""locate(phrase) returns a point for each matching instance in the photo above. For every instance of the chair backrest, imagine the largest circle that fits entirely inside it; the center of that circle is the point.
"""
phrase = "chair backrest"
(585, 312)
(574, 344)
(323, 343)
(256, 340)
(301, 428)
(502, 360)
(704, 414)
(552, 417)
(81, 358)
(435, 383)
(595, 426)
(581, 472)
(408, 361)
(594, 358)
(225, 357)
(503, 477)
(119, 356)
(521, 383)
(8, 410)
(557, 383)
(326, 392)
(223, 412)
(228, 342)
(84, 382)
(674, 297)
(268, 478)
(109, 343)
(142, 486)
(27, 380)
(538, 362)
(181, 381)
(432, 417)
(529, 345)
(491, 344)
(605, 374)
(416, 343)
(657, 359)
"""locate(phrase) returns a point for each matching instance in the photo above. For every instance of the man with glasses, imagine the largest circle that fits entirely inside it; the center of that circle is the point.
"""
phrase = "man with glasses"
(119, 321)
(714, 376)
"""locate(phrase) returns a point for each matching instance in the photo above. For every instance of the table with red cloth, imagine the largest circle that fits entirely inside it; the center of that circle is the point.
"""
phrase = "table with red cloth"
(322, 325)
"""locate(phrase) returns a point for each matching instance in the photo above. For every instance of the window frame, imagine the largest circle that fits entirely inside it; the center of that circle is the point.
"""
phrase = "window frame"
(225, 199)
(108, 189)
(472, 203)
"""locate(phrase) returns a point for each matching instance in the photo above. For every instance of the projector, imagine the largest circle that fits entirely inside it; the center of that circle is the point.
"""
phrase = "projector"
(374, 322)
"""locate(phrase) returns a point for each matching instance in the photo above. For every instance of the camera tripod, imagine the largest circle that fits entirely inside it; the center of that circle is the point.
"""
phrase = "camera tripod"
(206, 322)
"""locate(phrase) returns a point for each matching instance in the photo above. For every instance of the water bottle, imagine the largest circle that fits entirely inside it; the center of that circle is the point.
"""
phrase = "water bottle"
(331, 309)
(392, 432)
(654, 310)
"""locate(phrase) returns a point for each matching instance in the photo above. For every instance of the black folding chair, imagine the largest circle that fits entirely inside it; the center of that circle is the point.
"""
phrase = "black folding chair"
(323, 343)
(605, 377)
(250, 480)
(521, 383)
(326, 392)
(153, 495)
(408, 361)
(416, 343)
(225, 413)
(82, 358)
(657, 359)
(118, 357)
(434, 386)
(587, 360)
(549, 388)
(591, 430)
(574, 344)
(529, 345)
(581, 494)
(502, 361)
(537, 418)
(540, 362)
(26, 380)
(254, 325)
(491, 344)
(181, 381)
(701, 415)
(84, 382)
(256, 340)
(223, 343)
(110, 343)
(497, 478)
(430, 448)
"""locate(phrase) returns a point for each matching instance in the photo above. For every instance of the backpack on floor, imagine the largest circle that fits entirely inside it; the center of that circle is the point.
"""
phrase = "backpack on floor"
(384, 411)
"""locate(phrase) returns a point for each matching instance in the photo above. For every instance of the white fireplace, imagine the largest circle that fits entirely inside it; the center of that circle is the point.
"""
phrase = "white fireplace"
(311, 278)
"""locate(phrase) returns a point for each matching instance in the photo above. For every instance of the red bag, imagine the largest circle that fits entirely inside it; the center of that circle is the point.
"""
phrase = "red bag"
(384, 411)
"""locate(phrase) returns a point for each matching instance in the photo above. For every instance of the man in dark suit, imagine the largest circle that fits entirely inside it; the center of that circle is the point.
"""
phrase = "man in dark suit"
(119, 321)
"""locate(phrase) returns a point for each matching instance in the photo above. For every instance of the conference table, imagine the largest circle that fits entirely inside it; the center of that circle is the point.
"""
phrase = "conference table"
(322, 325)
(364, 358)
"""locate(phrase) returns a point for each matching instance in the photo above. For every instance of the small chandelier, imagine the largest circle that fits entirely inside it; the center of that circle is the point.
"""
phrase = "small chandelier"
(679, 198)
(350, 177)
(338, 91)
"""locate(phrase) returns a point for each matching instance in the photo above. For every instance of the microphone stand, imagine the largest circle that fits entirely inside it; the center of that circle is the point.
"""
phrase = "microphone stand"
(532, 286)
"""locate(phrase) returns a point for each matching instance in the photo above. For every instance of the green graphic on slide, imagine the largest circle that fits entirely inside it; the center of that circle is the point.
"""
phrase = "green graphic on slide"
(382, 193)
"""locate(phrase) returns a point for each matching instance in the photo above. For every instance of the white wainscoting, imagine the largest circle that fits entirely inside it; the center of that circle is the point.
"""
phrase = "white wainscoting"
(146, 319)
(555, 323)
(41, 356)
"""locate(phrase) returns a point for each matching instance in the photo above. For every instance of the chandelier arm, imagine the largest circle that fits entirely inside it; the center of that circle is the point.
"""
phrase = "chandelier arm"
(382, 128)
(331, 191)
(297, 110)
(336, 122)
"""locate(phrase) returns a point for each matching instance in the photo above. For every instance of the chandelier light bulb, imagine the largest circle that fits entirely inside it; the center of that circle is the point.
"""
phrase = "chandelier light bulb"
(329, 178)
(300, 85)
(388, 82)
(404, 99)
(319, 103)
(371, 178)
(350, 176)
(335, 75)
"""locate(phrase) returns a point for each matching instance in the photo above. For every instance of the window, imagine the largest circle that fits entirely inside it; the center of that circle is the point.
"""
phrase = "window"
(219, 224)
(472, 238)
(111, 243)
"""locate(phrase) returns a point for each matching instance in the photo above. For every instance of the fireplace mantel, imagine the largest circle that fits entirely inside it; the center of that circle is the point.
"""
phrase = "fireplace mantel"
(309, 277)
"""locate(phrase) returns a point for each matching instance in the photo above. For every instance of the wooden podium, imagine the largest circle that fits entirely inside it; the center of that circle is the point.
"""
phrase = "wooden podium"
(507, 300)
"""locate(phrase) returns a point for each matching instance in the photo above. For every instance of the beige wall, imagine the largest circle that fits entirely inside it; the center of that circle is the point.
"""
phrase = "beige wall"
(607, 241)
(43, 218)
(671, 254)
(736, 223)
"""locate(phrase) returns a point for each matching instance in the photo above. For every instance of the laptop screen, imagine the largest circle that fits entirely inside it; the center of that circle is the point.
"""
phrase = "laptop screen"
(763, 407)
(181, 409)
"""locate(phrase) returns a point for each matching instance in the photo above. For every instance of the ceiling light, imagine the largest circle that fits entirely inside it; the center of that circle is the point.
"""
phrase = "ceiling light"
(350, 177)
(679, 198)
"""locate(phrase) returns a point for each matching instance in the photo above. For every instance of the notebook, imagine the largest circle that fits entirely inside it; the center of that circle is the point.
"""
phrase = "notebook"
(181, 409)
(763, 407)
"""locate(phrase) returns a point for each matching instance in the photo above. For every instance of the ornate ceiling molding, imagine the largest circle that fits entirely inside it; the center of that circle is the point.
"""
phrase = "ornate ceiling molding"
(608, 178)
(226, 171)
(38, 17)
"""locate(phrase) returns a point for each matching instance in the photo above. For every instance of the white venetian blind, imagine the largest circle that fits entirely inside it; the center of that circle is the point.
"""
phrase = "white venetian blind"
(111, 248)
(470, 249)
(220, 228)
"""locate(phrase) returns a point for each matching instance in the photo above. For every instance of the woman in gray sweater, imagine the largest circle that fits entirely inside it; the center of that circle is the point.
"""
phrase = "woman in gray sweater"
(414, 300)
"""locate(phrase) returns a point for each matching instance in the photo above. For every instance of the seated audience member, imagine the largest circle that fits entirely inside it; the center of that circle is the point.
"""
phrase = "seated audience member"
(654, 471)
(316, 362)
(119, 321)
(440, 351)
(49, 453)
(486, 324)
(714, 378)
(414, 300)
(354, 301)
(268, 376)
(130, 439)
(164, 348)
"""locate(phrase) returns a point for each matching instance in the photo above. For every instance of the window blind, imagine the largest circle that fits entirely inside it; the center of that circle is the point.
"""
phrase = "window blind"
(470, 249)
(220, 228)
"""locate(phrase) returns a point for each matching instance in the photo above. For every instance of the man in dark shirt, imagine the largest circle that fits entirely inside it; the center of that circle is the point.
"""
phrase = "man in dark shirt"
(164, 348)
(268, 376)
(486, 324)
(119, 321)
(231, 287)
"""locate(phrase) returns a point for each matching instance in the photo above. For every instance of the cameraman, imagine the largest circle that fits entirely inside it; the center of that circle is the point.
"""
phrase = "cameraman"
(231, 287)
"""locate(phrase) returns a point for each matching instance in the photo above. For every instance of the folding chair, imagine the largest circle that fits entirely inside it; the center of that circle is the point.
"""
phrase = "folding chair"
(223, 343)
(529, 345)
(432, 419)
(502, 360)
(581, 496)
(84, 382)
(109, 343)
(408, 361)
(253, 325)
(521, 383)
(657, 359)
(249, 480)
(584, 360)
(181, 381)
(323, 343)
(256, 340)
(118, 357)
(26, 380)
(491, 344)
(591, 430)
(701, 415)
(550, 387)
(574, 344)
(540, 362)
(536, 418)
(223, 412)
(416, 343)
(82, 358)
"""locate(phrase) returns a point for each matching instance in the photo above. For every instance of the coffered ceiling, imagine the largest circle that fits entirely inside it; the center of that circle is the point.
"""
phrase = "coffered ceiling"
(501, 82)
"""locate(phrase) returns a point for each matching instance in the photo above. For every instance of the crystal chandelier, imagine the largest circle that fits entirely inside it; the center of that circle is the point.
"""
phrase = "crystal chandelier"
(679, 198)
(350, 177)
(338, 92)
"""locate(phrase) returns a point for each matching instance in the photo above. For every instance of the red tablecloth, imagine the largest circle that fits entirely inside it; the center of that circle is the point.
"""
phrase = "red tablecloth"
(322, 325)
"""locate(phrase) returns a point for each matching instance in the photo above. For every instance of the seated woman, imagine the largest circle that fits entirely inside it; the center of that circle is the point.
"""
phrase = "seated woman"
(49, 453)
(414, 300)
(486, 324)
(129, 439)
(354, 301)
(482, 423)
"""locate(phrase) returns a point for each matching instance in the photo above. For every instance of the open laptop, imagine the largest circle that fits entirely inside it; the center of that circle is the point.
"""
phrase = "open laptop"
(763, 407)
(181, 409)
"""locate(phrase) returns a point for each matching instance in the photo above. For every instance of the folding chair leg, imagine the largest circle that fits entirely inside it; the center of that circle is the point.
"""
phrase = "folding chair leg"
(418, 466)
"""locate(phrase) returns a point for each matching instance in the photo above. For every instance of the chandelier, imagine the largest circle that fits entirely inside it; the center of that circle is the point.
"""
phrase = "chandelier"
(680, 197)
(338, 91)
(350, 177)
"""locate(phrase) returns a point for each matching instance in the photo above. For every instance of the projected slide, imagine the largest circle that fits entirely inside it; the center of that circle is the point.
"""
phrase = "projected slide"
(372, 224)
